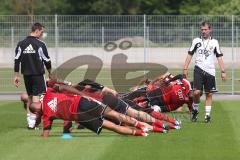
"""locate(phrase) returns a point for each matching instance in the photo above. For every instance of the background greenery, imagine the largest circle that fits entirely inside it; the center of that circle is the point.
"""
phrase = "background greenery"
(120, 7)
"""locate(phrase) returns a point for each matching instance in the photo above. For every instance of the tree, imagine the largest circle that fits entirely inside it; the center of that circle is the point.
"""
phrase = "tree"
(228, 8)
(200, 7)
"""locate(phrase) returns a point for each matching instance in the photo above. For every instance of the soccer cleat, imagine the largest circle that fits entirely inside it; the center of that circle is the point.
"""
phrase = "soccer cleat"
(172, 126)
(166, 126)
(207, 119)
(178, 122)
(165, 131)
(194, 115)
(145, 129)
(177, 127)
(160, 130)
(145, 134)
(33, 128)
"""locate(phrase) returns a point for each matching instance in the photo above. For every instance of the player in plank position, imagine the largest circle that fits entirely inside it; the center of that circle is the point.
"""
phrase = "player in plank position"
(110, 98)
(88, 112)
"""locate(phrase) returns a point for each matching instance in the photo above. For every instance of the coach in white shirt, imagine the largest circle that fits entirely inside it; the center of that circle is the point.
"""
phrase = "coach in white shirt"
(206, 49)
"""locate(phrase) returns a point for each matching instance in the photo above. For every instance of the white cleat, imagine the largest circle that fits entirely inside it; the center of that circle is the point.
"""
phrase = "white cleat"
(165, 131)
(145, 129)
(145, 134)
(177, 127)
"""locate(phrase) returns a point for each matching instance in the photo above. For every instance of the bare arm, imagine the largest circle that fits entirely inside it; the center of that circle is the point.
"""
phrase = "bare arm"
(45, 133)
(17, 79)
(222, 68)
(186, 64)
(69, 89)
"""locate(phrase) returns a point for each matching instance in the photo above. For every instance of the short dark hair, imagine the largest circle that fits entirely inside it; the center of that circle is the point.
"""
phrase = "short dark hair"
(36, 26)
(205, 23)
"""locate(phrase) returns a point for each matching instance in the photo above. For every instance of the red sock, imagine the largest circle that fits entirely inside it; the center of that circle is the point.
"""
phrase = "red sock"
(138, 133)
(161, 116)
(157, 129)
(139, 125)
(158, 123)
(171, 126)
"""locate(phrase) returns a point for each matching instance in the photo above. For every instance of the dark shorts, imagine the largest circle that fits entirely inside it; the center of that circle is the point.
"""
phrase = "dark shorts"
(35, 84)
(164, 109)
(203, 80)
(155, 97)
(135, 94)
(115, 103)
(91, 114)
(137, 107)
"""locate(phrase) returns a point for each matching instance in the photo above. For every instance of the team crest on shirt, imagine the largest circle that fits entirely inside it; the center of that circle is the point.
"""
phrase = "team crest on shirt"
(198, 45)
(53, 104)
(206, 53)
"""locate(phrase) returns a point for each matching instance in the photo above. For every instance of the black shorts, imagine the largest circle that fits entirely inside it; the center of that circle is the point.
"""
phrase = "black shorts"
(148, 109)
(155, 97)
(91, 114)
(35, 84)
(135, 94)
(122, 106)
(115, 103)
(203, 80)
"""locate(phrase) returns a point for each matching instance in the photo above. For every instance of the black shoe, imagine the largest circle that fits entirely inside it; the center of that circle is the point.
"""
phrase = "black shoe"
(207, 119)
(32, 128)
(194, 115)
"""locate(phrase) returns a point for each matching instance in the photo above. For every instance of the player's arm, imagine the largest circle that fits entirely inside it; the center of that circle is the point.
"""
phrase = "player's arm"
(17, 60)
(45, 133)
(46, 59)
(141, 83)
(106, 90)
(219, 56)
(188, 59)
(186, 64)
(221, 65)
(47, 125)
(67, 89)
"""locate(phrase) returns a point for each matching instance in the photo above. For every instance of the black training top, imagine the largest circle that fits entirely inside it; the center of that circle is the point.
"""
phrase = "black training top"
(31, 53)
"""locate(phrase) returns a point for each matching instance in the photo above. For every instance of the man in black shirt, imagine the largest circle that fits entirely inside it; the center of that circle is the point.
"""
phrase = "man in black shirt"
(33, 55)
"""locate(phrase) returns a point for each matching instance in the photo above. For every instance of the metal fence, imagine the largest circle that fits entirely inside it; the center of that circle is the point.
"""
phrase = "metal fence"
(154, 38)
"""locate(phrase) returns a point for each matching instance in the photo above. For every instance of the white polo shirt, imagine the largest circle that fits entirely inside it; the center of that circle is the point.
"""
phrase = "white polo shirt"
(205, 51)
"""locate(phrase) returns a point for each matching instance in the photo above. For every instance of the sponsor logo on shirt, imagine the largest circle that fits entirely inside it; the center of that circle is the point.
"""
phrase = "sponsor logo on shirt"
(53, 104)
(29, 49)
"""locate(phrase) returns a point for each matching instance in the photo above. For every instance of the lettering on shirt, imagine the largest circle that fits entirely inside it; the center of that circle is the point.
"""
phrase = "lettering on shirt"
(180, 94)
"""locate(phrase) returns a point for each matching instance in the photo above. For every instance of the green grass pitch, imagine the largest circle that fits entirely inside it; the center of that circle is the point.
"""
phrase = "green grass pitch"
(218, 140)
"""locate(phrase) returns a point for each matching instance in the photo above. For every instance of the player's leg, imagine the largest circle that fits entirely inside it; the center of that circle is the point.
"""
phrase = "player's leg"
(24, 99)
(36, 87)
(208, 106)
(31, 118)
(111, 114)
(162, 116)
(198, 75)
(122, 129)
(210, 88)
(145, 117)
